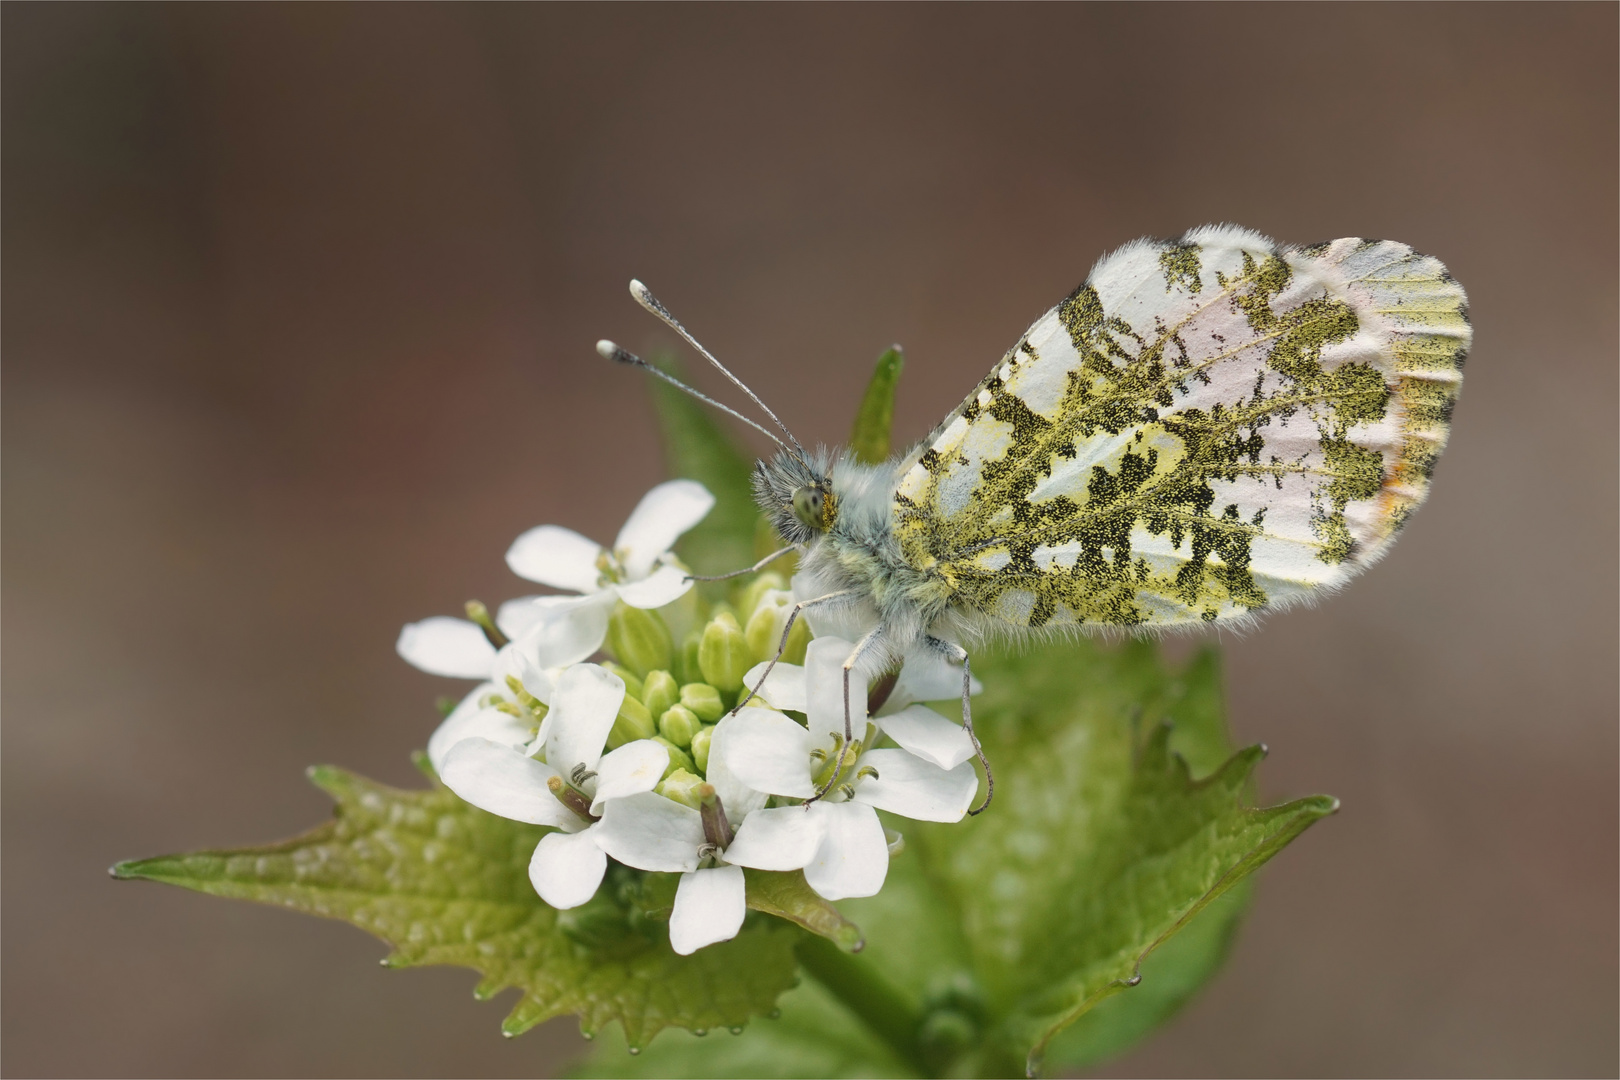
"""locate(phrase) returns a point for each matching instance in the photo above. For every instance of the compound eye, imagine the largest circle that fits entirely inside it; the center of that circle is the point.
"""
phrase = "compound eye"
(807, 504)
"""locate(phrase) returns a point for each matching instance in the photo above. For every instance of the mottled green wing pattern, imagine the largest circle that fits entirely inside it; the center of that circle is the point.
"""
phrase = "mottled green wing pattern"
(1207, 427)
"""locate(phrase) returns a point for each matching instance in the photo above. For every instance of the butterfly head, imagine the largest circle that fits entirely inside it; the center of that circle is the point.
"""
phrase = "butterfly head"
(796, 493)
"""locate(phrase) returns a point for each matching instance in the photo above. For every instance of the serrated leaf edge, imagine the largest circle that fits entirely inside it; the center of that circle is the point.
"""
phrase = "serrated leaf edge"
(1300, 815)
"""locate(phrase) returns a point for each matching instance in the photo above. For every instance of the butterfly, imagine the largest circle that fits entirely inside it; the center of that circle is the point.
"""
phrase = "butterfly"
(1208, 428)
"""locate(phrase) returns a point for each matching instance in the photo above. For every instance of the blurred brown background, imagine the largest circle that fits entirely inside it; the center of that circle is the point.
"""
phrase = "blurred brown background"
(299, 312)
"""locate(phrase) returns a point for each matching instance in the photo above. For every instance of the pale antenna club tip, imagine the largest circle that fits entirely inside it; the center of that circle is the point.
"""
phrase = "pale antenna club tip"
(606, 349)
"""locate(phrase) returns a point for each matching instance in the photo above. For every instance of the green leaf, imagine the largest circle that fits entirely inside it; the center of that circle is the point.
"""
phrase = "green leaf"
(1099, 848)
(446, 883)
(788, 896)
(697, 449)
(870, 438)
(815, 1036)
(1171, 974)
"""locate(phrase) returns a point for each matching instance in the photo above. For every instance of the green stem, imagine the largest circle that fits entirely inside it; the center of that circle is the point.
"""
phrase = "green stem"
(866, 994)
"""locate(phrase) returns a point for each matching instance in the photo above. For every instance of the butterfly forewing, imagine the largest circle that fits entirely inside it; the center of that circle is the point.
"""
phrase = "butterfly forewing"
(1207, 427)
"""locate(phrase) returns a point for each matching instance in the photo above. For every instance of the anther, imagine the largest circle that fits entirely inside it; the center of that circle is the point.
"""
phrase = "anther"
(865, 771)
(580, 774)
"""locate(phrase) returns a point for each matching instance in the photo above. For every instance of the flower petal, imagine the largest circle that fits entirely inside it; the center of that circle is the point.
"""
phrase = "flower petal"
(583, 707)
(632, 768)
(824, 690)
(738, 798)
(567, 629)
(853, 858)
(566, 870)
(501, 780)
(663, 514)
(930, 736)
(514, 662)
(469, 720)
(666, 585)
(914, 788)
(709, 907)
(555, 556)
(927, 676)
(781, 838)
(445, 646)
(515, 616)
(650, 832)
(783, 689)
(767, 751)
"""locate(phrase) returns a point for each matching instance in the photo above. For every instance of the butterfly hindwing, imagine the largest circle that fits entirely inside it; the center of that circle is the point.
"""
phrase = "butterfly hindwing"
(1207, 427)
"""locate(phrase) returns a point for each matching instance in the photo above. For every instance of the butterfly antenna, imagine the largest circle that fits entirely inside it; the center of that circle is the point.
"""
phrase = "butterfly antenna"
(607, 350)
(646, 299)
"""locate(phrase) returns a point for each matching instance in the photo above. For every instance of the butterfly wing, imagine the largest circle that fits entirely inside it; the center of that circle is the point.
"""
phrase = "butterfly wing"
(1207, 427)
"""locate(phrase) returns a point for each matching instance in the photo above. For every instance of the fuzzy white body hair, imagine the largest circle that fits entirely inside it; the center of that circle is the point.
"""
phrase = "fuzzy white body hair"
(859, 555)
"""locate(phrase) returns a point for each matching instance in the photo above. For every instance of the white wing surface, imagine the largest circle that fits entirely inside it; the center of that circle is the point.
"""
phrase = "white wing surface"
(1207, 427)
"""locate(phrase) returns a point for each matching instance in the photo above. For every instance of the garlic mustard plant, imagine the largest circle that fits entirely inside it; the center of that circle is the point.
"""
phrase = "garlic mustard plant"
(645, 807)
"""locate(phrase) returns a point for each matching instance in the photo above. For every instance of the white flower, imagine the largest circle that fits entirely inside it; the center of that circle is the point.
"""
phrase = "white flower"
(924, 676)
(569, 791)
(638, 570)
(651, 832)
(839, 841)
(493, 710)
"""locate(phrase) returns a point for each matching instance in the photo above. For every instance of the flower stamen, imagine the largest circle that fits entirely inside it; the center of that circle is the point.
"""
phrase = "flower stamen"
(571, 798)
(716, 829)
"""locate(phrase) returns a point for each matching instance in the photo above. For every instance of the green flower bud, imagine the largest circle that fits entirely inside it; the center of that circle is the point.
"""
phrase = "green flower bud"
(684, 615)
(723, 655)
(659, 692)
(632, 685)
(686, 666)
(764, 632)
(700, 747)
(678, 758)
(639, 639)
(478, 613)
(633, 722)
(682, 786)
(798, 641)
(748, 599)
(704, 701)
(678, 725)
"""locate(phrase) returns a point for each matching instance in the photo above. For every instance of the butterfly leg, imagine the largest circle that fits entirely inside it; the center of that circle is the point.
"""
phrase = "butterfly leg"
(787, 628)
(959, 655)
(872, 642)
(766, 561)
